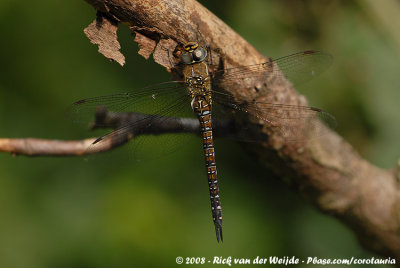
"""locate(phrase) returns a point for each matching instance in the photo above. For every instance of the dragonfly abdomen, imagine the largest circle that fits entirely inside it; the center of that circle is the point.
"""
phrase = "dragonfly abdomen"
(203, 111)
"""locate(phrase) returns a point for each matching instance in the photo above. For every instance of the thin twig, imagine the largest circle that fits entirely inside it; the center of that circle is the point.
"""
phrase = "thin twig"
(108, 119)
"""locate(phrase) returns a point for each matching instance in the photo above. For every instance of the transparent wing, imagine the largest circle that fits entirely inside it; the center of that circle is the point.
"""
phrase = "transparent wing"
(145, 100)
(291, 122)
(297, 68)
(158, 105)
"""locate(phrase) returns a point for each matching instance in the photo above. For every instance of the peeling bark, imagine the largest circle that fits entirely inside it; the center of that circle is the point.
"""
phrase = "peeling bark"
(103, 32)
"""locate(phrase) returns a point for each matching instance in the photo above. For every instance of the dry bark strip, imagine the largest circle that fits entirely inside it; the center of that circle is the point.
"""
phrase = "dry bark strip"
(328, 171)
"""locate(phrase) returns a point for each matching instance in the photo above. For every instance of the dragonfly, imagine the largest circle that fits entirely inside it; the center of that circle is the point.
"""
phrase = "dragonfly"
(200, 92)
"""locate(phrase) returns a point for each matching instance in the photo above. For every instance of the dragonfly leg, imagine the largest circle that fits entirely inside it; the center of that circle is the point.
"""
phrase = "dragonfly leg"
(171, 59)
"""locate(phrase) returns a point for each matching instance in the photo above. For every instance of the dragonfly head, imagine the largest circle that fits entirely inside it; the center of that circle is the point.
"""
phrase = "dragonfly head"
(193, 53)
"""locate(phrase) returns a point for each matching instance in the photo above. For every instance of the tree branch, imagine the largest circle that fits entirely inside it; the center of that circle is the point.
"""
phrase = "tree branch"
(109, 119)
(328, 171)
(43, 147)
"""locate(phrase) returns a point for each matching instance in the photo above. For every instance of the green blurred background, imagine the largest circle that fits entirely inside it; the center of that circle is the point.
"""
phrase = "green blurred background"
(115, 212)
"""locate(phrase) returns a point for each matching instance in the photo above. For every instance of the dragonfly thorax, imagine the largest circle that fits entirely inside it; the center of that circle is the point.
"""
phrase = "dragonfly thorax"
(198, 86)
(196, 81)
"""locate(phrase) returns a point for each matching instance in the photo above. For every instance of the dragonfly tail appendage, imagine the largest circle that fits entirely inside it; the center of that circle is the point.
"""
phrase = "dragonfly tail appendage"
(218, 232)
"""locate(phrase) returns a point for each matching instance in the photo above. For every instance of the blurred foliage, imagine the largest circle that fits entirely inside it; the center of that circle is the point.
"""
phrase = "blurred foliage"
(115, 212)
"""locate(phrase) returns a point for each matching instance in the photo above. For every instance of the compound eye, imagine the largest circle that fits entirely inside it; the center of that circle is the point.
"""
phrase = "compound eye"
(186, 58)
(199, 54)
